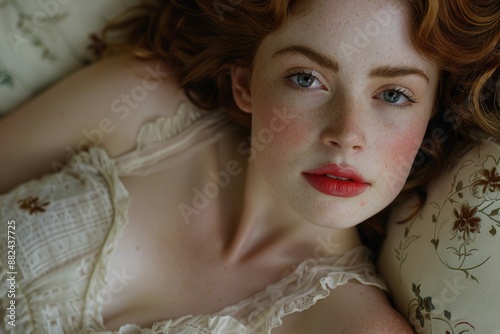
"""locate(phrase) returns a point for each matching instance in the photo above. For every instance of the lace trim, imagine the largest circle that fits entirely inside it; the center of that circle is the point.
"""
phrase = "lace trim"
(152, 133)
(321, 289)
(310, 282)
(98, 158)
(167, 127)
(168, 141)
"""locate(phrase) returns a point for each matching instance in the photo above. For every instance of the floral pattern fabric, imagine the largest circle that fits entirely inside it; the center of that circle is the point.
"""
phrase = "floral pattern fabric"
(43, 40)
(442, 267)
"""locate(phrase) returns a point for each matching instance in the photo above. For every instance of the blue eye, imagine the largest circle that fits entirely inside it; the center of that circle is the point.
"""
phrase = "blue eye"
(392, 96)
(303, 79)
(397, 96)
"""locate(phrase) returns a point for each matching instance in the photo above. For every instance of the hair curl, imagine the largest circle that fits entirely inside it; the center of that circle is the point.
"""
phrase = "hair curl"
(203, 39)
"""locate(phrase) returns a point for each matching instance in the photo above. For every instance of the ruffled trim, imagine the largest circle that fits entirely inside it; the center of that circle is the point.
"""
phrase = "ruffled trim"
(98, 159)
(164, 128)
(151, 137)
(168, 141)
(203, 324)
(310, 282)
(358, 266)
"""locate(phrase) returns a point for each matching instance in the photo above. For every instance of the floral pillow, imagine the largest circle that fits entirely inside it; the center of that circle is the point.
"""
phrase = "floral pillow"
(42, 40)
(443, 266)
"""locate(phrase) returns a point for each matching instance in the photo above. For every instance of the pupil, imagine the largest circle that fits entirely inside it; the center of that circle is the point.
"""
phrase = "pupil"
(392, 96)
(305, 80)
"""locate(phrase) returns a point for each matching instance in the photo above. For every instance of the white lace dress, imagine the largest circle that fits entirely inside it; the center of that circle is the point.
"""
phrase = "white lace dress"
(68, 224)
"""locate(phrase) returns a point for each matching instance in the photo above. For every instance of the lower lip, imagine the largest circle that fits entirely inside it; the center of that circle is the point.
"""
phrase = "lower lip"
(335, 187)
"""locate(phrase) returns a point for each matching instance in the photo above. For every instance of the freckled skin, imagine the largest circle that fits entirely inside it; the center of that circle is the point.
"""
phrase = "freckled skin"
(343, 117)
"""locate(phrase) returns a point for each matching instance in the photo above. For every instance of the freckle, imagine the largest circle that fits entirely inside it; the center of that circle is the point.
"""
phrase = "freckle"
(137, 247)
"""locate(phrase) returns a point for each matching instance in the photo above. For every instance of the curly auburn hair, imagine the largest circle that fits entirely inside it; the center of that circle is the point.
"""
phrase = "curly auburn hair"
(204, 39)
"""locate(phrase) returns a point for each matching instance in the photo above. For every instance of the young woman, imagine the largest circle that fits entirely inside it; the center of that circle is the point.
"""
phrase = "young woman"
(161, 217)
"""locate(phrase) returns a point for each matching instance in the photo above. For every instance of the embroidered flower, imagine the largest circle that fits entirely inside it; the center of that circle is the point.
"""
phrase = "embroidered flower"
(6, 79)
(487, 184)
(32, 205)
(424, 305)
(467, 223)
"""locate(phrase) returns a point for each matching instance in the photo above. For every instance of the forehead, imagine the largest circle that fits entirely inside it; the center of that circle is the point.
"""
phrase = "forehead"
(365, 15)
(351, 31)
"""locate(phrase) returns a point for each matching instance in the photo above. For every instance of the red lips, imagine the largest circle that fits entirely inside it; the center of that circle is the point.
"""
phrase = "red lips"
(338, 181)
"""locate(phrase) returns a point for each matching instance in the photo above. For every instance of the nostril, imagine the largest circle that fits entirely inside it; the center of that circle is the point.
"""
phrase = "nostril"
(338, 145)
(343, 136)
(335, 144)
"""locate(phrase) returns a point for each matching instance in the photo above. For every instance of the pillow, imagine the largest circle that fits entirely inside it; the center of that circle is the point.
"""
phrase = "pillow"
(44, 40)
(443, 266)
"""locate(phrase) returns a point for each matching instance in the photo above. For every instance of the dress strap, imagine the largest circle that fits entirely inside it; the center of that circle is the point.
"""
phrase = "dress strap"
(170, 140)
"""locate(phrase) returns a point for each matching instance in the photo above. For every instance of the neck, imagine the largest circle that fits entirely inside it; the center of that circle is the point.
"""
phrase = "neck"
(268, 225)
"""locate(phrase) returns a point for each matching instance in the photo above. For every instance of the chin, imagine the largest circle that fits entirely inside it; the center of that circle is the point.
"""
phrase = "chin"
(340, 219)
(335, 214)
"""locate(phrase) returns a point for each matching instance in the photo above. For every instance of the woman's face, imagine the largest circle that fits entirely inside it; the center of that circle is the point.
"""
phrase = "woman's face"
(340, 102)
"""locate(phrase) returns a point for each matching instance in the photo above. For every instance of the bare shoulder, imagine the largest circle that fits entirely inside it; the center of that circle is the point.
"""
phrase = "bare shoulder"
(352, 308)
(133, 92)
(367, 308)
(102, 105)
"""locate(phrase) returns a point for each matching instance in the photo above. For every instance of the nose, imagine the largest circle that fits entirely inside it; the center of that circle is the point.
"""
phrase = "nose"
(345, 128)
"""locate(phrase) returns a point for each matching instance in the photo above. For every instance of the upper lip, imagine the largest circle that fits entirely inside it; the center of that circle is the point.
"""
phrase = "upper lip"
(339, 171)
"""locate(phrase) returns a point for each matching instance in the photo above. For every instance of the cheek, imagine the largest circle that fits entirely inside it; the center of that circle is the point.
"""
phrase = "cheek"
(277, 137)
(399, 157)
(278, 134)
(276, 125)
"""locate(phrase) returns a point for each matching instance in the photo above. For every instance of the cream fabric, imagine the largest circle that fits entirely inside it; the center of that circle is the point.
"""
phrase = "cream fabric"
(68, 224)
(43, 40)
(443, 266)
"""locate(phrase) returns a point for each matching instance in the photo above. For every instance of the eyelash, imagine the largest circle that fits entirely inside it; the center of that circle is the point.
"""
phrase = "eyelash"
(406, 93)
(295, 72)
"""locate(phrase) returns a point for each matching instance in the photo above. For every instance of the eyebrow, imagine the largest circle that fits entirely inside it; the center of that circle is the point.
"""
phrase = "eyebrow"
(325, 61)
(313, 55)
(392, 72)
